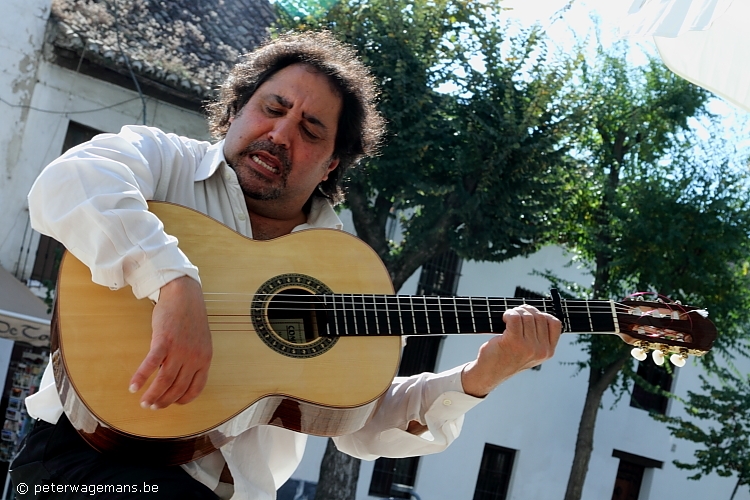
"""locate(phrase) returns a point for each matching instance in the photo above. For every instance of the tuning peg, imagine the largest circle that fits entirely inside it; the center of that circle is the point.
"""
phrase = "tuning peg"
(678, 359)
(658, 357)
(639, 353)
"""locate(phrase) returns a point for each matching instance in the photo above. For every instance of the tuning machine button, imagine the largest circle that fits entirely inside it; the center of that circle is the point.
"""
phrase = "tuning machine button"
(678, 359)
(639, 353)
(658, 357)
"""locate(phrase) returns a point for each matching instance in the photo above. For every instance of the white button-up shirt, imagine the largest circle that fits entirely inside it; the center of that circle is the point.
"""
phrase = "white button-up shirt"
(93, 199)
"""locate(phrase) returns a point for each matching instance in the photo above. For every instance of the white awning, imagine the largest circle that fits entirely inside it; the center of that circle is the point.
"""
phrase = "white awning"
(704, 41)
(23, 315)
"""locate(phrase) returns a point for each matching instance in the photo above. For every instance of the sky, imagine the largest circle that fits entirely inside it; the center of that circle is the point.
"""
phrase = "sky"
(612, 16)
(577, 18)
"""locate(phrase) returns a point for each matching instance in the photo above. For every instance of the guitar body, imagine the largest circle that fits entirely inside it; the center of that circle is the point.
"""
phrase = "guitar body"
(102, 336)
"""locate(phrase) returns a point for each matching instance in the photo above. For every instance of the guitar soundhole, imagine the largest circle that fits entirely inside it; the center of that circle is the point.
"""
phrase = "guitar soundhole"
(294, 316)
(289, 318)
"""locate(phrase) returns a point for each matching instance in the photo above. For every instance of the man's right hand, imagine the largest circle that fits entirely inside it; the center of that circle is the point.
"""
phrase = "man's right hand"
(181, 348)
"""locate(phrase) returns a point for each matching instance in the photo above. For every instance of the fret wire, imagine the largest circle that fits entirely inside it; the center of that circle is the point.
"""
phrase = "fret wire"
(338, 332)
(471, 308)
(325, 307)
(458, 322)
(489, 313)
(387, 314)
(375, 312)
(334, 313)
(346, 313)
(440, 310)
(346, 319)
(426, 316)
(566, 312)
(614, 317)
(400, 319)
(364, 313)
(413, 314)
(588, 312)
(356, 317)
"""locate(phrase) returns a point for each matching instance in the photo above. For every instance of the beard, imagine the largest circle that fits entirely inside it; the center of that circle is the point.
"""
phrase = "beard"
(254, 185)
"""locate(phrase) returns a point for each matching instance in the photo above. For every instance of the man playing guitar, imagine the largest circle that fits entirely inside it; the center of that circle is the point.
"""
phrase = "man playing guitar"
(291, 118)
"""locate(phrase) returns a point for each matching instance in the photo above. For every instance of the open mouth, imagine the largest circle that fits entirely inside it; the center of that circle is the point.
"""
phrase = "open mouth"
(265, 165)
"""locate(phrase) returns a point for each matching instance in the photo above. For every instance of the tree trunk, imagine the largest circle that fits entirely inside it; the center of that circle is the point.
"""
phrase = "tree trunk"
(599, 380)
(736, 486)
(339, 474)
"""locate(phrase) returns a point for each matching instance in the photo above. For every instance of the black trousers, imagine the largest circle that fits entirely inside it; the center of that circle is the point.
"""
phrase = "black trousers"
(56, 463)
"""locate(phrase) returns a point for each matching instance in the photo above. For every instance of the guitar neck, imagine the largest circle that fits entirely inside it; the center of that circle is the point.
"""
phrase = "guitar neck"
(376, 315)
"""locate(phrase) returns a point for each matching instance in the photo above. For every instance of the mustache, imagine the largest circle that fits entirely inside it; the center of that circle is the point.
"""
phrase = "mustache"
(275, 150)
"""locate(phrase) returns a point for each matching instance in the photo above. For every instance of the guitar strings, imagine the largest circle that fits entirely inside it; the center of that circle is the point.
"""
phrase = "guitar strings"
(435, 306)
(392, 304)
(567, 303)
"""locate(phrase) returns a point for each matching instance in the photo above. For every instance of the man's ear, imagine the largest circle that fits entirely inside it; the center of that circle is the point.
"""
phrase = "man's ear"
(331, 167)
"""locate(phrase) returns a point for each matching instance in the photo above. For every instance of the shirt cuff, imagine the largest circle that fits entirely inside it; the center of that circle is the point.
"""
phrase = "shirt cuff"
(445, 389)
(148, 278)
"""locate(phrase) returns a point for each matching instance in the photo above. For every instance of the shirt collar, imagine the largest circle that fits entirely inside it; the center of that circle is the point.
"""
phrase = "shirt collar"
(322, 214)
(211, 161)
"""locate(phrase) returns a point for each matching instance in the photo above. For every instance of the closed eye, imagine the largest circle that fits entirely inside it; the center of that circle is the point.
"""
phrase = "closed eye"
(309, 134)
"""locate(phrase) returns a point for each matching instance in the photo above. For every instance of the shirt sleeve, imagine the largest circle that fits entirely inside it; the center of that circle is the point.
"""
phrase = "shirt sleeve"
(93, 199)
(434, 400)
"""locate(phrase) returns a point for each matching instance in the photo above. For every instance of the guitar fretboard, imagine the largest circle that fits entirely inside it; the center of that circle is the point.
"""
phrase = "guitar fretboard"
(365, 315)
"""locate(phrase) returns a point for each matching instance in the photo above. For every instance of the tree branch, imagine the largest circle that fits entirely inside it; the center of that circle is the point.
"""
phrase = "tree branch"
(369, 221)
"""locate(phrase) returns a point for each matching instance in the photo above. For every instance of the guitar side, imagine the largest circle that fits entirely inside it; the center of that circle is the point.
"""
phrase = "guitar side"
(103, 335)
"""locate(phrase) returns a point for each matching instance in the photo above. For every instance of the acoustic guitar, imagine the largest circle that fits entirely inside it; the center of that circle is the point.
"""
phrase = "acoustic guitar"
(306, 335)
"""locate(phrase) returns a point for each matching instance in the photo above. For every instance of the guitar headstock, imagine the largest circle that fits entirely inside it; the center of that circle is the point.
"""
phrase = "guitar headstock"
(665, 328)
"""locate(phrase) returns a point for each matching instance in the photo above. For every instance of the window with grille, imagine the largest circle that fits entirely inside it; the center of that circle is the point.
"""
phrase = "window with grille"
(390, 471)
(50, 251)
(439, 277)
(657, 376)
(494, 473)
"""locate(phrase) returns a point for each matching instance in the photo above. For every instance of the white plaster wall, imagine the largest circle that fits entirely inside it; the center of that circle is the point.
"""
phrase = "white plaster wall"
(70, 96)
(21, 36)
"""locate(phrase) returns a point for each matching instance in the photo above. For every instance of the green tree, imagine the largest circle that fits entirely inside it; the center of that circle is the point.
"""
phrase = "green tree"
(653, 214)
(480, 167)
(724, 434)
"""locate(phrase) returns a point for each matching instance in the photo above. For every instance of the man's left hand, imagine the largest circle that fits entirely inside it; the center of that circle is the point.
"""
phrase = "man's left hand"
(530, 338)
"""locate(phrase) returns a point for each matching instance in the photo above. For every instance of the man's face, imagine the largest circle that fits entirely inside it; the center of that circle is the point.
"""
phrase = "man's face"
(281, 142)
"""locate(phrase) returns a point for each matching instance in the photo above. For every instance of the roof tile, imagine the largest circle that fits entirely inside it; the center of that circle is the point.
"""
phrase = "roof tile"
(189, 45)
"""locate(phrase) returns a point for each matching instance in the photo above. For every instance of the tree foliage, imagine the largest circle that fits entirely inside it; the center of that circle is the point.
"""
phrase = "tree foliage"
(724, 432)
(656, 209)
(475, 157)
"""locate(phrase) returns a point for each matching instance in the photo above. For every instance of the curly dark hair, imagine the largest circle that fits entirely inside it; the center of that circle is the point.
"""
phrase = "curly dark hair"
(360, 127)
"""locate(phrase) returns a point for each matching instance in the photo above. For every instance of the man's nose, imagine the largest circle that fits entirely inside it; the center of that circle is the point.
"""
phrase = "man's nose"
(281, 132)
